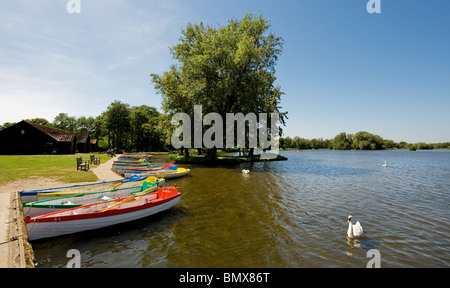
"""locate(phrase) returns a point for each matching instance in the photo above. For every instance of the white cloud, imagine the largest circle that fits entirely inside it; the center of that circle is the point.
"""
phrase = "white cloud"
(54, 62)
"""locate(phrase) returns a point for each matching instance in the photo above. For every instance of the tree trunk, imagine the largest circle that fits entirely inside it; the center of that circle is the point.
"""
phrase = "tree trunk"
(212, 153)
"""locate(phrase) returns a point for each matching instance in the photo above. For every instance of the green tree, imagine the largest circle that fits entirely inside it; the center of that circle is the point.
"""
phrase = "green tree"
(164, 131)
(65, 122)
(143, 121)
(40, 121)
(117, 123)
(7, 125)
(342, 142)
(86, 124)
(227, 69)
(367, 141)
(100, 132)
(301, 143)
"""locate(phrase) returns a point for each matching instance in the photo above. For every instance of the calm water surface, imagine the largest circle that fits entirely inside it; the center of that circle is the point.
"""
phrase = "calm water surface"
(286, 214)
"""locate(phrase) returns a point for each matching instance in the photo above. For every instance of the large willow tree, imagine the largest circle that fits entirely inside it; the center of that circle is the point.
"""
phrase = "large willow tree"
(227, 69)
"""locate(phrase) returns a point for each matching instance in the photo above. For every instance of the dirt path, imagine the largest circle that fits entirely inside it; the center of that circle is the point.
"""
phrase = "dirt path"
(104, 172)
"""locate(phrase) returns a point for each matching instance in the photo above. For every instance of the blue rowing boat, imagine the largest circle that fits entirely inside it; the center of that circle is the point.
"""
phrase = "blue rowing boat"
(28, 196)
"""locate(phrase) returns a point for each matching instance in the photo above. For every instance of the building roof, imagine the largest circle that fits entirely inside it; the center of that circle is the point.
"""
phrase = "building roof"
(82, 137)
(57, 134)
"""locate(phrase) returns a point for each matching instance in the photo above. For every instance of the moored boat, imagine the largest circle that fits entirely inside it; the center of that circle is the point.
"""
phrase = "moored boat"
(99, 215)
(135, 156)
(168, 167)
(119, 168)
(161, 174)
(30, 196)
(138, 184)
(37, 208)
(134, 163)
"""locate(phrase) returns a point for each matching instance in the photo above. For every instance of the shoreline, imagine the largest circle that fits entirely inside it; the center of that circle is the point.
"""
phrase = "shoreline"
(15, 250)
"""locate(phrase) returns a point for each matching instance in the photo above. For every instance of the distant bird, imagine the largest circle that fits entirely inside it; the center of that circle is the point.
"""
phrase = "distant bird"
(245, 171)
(385, 164)
(354, 231)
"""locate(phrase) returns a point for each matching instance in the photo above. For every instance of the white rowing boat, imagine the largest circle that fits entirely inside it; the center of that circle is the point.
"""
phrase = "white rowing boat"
(99, 215)
(38, 208)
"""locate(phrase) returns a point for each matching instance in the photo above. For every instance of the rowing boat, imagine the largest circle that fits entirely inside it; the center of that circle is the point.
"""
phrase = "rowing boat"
(118, 169)
(31, 196)
(37, 208)
(44, 196)
(139, 156)
(145, 170)
(161, 174)
(99, 215)
(132, 163)
(168, 167)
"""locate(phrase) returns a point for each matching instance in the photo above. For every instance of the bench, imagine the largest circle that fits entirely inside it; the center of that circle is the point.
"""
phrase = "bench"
(95, 160)
(82, 166)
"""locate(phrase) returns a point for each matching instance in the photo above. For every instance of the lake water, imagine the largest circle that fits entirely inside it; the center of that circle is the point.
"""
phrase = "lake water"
(286, 214)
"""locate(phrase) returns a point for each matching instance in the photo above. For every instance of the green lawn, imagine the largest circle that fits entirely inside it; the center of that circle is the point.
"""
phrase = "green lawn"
(57, 167)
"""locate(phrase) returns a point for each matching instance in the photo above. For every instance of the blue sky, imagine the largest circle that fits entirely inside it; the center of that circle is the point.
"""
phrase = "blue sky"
(342, 69)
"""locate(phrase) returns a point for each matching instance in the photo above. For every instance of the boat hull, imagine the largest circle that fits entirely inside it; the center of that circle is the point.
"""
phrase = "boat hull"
(162, 174)
(38, 195)
(58, 227)
(48, 206)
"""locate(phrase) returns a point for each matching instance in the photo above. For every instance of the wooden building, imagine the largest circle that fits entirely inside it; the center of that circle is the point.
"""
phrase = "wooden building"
(27, 138)
(83, 142)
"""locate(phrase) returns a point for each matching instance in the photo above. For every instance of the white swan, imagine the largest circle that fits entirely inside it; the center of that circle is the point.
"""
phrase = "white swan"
(245, 171)
(385, 164)
(354, 231)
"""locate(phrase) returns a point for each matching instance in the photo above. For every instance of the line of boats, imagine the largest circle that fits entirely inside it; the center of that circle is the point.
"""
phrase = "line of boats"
(71, 209)
(128, 166)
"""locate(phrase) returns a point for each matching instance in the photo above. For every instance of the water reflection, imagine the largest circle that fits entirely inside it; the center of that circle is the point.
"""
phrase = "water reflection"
(238, 230)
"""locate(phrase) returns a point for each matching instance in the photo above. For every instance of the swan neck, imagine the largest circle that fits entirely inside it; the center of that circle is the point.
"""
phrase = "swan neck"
(350, 229)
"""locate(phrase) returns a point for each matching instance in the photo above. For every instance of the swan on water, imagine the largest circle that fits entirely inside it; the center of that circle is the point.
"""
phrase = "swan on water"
(354, 231)
(385, 164)
(245, 171)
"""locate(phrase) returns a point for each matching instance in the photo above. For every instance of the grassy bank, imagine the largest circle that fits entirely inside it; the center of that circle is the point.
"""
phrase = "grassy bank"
(225, 160)
(57, 167)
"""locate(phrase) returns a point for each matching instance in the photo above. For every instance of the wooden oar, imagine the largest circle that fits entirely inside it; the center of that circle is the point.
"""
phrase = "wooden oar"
(116, 185)
(129, 199)
(147, 191)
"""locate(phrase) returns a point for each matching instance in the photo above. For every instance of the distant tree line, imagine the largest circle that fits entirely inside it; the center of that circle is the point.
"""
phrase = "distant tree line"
(143, 128)
(359, 141)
